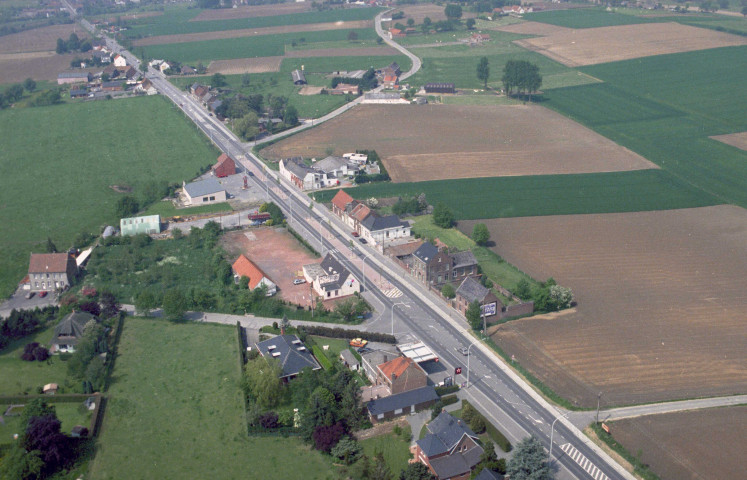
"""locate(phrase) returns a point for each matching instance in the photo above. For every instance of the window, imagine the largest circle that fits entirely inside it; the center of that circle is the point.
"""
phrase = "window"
(212, 198)
(204, 199)
(380, 416)
(329, 293)
(454, 274)
(398, 411)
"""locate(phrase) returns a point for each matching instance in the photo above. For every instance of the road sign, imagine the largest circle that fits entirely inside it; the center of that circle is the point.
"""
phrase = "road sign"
(457, 370)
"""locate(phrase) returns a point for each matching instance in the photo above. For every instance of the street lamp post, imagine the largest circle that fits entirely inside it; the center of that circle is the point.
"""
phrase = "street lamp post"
(468, 355)
(552, 431)
(599, 396)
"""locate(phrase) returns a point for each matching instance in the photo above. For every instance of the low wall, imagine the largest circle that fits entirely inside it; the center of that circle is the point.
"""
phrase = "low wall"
(517, 310)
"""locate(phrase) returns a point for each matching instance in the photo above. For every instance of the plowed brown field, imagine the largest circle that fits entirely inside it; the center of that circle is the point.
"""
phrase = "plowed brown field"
(42, 39)
(589, 46)
(704, 444)
(471, 141)
(245, 65)
(532, 28)
(37, 65)
(661, 299)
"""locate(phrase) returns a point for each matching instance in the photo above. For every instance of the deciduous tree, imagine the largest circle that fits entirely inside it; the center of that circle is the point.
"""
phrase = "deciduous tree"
(480, 234)
(174, 304)
(453, 12)
(442, 216)
(127, 206)
(29, 84)
(473, 315)
(448, 291)
(416, 471)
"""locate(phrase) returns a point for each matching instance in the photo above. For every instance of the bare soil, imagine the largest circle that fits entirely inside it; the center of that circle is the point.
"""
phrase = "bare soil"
(278, 254)
(472, 141)
(661, 298)
(37, 65)
(702, 444)
(309, 90)
(250, 32)
(738, 140)
(342, 52)
(42, 39)
(245, 65)
(590, 46)
(250, 11)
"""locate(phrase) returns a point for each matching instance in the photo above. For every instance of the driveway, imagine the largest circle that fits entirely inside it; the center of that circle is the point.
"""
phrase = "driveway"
(19, 301)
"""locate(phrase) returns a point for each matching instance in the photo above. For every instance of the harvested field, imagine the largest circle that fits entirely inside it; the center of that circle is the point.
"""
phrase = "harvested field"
(250, 11)
(473, 141)
(249, 32)
(245, 65)
(738, 140)
(419, 11)
(660, 294)
(37, 65)
(681, 445)
(278, 254)
(343, 52)
(39, 39)
(309, 90)
(591, 46)
(532, 28)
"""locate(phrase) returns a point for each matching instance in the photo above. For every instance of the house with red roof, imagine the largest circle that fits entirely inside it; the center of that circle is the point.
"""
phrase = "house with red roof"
(224, 167)
(396, 33)
(51, 271)
(339, 203)
(401, 375)
(243, 267)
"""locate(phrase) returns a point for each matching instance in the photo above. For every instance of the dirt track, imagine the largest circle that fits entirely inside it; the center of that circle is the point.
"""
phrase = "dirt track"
(472, 141)
(661, 299)
(250, 32)
(590, 46)
(704, 444)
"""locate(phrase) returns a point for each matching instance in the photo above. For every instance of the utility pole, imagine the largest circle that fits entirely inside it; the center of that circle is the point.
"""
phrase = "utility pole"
(599, 396)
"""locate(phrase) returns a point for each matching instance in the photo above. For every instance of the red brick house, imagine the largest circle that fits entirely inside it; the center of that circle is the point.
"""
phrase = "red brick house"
(435, 267)
(401, 375)
(224, 167)
(450, 449)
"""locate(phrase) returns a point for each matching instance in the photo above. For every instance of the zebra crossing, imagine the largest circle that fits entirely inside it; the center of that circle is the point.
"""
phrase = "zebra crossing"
(584, 462)
(393, 292)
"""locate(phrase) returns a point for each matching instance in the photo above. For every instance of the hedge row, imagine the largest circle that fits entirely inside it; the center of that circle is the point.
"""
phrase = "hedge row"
(112, 355)
(58, 398)
(276, 432)
(493, 432)
(343, 333)
(303, 241)
(449, 400)
(441, 391)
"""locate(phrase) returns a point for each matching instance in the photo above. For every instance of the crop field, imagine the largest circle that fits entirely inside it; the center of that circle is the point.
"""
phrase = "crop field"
(238, 66)
(343, 52)
(421, 10)
(176, 393)
(580, 18)
(251, 11)
(641, 106)
(660, 303)
(474, 141)
(251, 32)
(638, 190)
(331, 64)
(681, 444)
(16, 67)
(532, 28)
(262, 46)
(42, 39)
(611, 44)
(46, 157)
(176, 21)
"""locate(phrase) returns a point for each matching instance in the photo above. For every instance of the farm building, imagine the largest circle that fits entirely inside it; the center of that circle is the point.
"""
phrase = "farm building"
(392, 69)
(291, 354)
(303, 176)
(332, 166)
(330, 279)
(439, 88)
(115, 86)
(69, 331)
(345, 89)
(479, 37)
(243, 267)
(187, 70)
(472, 291)
(386, 98)
(78, 93)
(148, 224)
(412, 401)
(356, 158)
(396, 33)
(74, 77)
(298, 77)
(204, 192)
(224, 167)
(51, 271)
(390, 81)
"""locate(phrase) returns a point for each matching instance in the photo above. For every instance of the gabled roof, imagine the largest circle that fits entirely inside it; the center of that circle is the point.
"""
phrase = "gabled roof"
(463, 259)
(349, 358)
(341, 199)
(487, 474)
(472, 291)
(298, 76)
(244, 267)
(290, 352)
(397, 367)
(335, 272)
(85, 75)
(426, 252)
(449, 430)
(360, 212)
(224, 159)
(48, 263)
(375, 223)
(331, 163)
(203, 187)
(402, 400)
(297, 167)
(457, 463)
(70, 329)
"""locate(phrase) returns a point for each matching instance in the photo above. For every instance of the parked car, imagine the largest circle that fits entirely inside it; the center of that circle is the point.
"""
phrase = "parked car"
(363, 350)
(355, 234)
(299, 281)
(42, 294)
(30, 294)
(358, 342)
(363, 241)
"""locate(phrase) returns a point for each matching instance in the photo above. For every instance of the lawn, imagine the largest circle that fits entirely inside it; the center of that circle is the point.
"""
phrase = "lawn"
(63, 160)
(242, 47)
(395, 450)
(634, 191)
(176, 21)
(20, 377)
(167, 209)
(665, 108)
(175, 411)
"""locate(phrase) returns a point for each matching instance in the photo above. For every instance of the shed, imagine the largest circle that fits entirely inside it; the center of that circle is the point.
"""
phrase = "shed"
(440, 87)
(298, 77)
(203, 192)
(349, 360)
(50, 388)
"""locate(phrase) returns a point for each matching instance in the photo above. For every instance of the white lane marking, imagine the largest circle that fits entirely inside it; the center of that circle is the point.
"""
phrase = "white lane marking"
(583, 462)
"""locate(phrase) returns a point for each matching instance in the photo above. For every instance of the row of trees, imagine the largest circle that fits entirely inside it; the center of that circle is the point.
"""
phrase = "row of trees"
(73, 44)
(522, 76)
(24, 322)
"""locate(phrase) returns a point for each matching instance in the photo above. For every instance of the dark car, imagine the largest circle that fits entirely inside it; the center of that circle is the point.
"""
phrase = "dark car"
(363, 240)
(30, 294)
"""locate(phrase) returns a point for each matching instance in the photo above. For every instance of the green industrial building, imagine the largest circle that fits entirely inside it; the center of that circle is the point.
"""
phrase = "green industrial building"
(135, 225)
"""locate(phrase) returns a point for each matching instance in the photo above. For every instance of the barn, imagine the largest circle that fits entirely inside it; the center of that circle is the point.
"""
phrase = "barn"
(298, 77)
(439, 88)
(224, 167)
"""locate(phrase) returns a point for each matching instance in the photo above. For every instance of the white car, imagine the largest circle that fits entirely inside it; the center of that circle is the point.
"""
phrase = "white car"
(299, 281)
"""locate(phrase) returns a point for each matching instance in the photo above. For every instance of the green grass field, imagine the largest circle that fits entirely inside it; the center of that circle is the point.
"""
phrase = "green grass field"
(62, 160)
(167, 209)
(21, 377)
(395, 450)
(494, 197)
(175, 411)
(177, 21)
(334, 64)
(242, 47)
(665, 108)
(587, 18)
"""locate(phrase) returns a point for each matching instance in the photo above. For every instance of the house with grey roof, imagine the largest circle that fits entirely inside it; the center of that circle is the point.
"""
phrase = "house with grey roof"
(69, 331)
(435, 267)
(330, 279)
(203, 192)
(450, 449)
(291, 354)
(470, 290)
(74, 77)
(304, 176)
(333, 166)
(486, 474)
(411, 401)
(382, 230)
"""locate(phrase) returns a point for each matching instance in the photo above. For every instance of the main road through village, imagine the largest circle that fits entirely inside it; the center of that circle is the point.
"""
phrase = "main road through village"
(407, 308)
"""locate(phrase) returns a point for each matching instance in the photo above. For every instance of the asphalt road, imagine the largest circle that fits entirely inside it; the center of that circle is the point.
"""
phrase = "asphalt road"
(509, 402)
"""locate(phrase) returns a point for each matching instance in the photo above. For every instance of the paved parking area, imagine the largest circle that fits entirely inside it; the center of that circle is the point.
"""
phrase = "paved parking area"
(19, 301)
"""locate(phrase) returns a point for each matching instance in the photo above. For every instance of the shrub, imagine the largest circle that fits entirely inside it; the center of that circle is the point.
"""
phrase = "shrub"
(325, 438)
(268, 420)
(448, 291)
(347, 451)
(477, 424)
(28, 352)
(449, 400)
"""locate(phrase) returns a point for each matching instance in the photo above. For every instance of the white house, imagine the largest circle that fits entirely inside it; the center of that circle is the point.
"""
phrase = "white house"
(120, 61)
(305, 177)
(358, 159)
(164, 66)
(204, 192)
(381, 230)
(330, 279)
